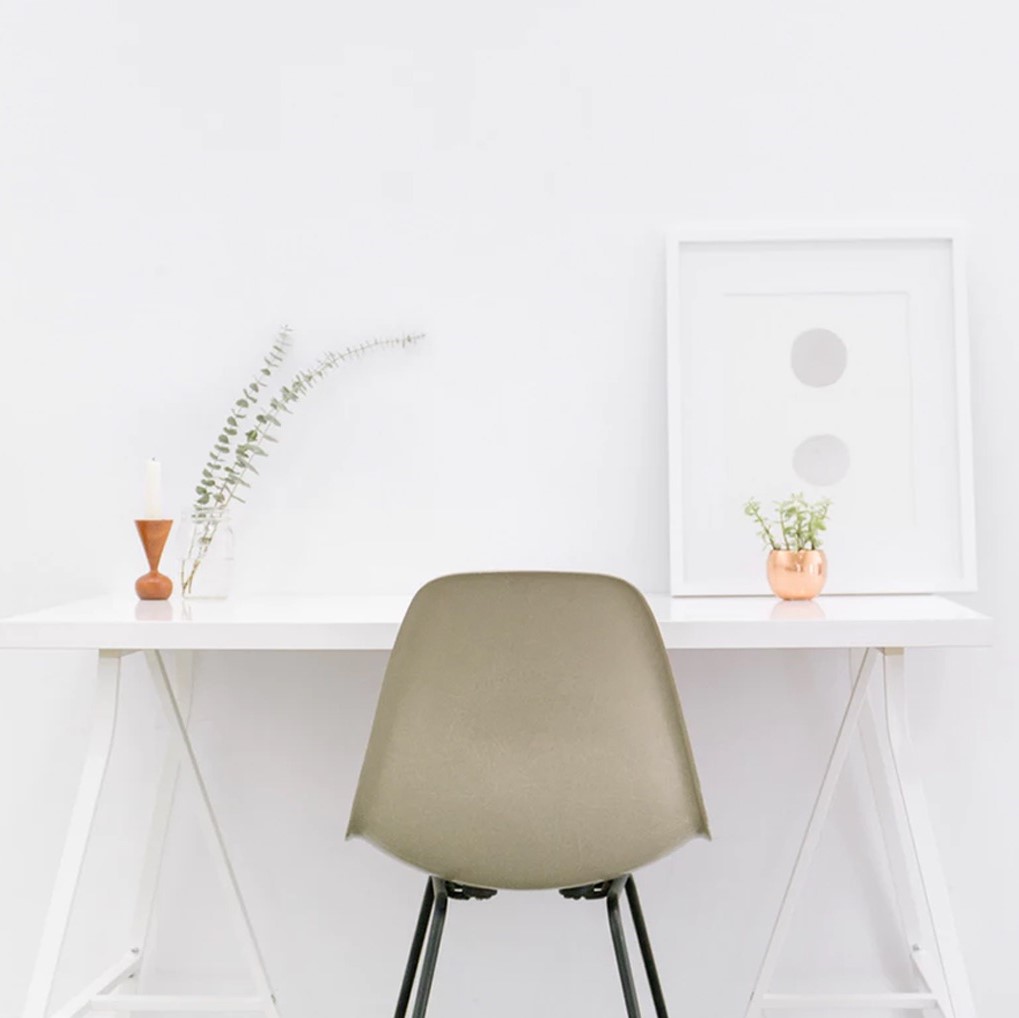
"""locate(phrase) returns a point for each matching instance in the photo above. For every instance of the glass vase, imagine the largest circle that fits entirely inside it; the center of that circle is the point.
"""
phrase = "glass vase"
(207, 559)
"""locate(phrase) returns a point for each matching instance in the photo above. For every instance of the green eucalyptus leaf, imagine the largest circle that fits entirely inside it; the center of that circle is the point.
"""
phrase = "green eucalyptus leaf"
(221, 478)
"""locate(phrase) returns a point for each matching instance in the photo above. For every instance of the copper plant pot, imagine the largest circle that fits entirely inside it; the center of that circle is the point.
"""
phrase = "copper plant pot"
(797, 575)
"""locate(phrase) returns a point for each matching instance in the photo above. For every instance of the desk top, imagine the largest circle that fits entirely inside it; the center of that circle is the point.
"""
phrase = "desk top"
(370, 622)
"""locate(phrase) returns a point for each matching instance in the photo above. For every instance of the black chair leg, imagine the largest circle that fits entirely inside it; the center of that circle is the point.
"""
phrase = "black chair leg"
(433, 914)
(432, 950)
(415, 950)
(645, 948)
(619, 945)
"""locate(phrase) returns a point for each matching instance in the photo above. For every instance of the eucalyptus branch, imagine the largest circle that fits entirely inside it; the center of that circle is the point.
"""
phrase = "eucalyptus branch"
(221, 489)
(240, 444)
(217, 464)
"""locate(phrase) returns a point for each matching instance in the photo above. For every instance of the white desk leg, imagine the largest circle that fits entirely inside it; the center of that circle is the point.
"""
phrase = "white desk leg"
(920, 845)
(76, 845)
(183, 673)
(909, 839)
(899, 851)
(266, 1001)
(836, 762)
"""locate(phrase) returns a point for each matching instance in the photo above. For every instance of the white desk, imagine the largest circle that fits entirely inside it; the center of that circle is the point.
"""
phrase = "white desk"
(879, 629)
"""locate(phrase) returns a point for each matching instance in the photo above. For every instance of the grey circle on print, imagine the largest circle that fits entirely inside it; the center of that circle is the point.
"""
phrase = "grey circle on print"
(818, 357)
(822, 460)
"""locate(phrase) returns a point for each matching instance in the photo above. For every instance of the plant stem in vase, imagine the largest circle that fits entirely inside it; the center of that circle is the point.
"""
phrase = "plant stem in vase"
(252, 424)
(207, 568)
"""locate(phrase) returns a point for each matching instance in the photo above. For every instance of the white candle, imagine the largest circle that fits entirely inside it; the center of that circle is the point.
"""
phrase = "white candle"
(153, 490)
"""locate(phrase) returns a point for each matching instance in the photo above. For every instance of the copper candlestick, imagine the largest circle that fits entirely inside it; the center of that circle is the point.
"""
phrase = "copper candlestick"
(153, 586)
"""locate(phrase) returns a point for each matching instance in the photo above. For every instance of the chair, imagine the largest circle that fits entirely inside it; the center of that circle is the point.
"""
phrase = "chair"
(528, 735)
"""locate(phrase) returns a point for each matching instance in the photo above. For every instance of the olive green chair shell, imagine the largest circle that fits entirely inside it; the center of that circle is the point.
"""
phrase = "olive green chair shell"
(528, 735)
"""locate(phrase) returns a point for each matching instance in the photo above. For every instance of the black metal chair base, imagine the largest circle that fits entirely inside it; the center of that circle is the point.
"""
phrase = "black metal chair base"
(432, 919)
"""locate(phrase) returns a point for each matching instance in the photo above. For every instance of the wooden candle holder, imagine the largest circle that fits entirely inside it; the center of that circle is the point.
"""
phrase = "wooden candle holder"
(153, 586)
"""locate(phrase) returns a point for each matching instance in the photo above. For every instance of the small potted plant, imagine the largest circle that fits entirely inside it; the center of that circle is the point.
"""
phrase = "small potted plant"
(797, 567)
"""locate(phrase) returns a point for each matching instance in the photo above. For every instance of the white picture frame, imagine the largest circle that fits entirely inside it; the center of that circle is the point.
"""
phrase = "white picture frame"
(838, 353)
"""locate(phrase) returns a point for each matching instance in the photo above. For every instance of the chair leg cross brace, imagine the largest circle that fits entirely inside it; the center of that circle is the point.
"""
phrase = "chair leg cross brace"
(432, 919)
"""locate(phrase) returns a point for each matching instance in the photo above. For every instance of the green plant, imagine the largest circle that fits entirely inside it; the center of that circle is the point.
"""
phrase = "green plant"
(799, 524)
(253, 421)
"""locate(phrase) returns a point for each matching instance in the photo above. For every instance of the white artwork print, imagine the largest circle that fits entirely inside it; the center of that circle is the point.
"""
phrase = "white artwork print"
(820, 438)
(823, 366)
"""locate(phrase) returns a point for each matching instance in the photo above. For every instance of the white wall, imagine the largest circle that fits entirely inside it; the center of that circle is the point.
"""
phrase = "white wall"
(178, 179)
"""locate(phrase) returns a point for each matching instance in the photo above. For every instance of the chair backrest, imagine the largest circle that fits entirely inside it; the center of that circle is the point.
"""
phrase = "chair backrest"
(528, 735)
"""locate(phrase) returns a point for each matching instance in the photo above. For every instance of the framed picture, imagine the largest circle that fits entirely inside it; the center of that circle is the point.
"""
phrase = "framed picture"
(830, 360)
